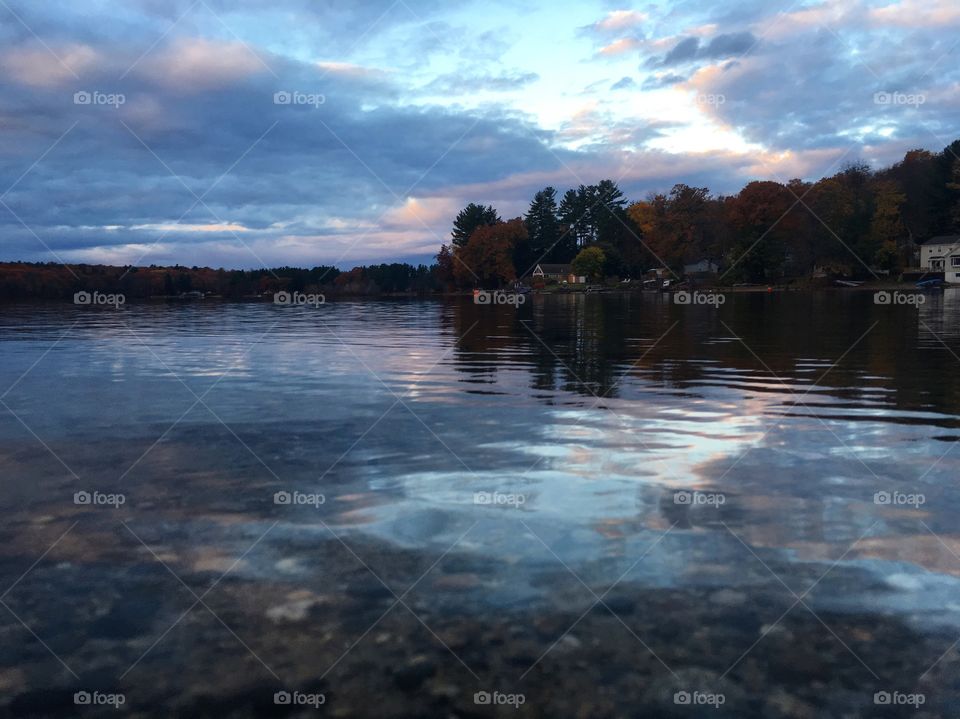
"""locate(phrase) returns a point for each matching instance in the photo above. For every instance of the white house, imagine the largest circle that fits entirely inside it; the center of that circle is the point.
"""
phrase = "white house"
(702, 267)
(942, 254)
(557, 273)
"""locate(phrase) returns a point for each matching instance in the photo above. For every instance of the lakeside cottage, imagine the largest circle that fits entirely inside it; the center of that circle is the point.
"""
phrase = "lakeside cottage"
(942, 254)
(557, 273)
(703, 267)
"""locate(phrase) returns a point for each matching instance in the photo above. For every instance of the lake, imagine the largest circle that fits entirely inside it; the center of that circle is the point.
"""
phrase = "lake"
(587, 505)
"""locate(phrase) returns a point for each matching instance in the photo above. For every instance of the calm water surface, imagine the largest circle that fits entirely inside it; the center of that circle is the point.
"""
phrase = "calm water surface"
(579, 417)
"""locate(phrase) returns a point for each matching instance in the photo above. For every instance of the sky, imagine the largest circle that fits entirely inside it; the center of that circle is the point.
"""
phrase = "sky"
(252, 133)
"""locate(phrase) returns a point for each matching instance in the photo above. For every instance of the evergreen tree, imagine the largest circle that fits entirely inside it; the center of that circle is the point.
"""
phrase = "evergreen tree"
(470, 218)
(543, 229)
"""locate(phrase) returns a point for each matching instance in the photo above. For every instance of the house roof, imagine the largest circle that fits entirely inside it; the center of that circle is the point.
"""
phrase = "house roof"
(555, 269)
(943, 240)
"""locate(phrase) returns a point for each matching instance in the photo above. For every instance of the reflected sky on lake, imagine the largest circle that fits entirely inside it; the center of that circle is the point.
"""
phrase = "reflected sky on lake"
(593, 410)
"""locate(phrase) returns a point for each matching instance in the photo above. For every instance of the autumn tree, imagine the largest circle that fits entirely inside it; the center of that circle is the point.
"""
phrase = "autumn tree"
(487, 258)
(755, 215)
(887, 230)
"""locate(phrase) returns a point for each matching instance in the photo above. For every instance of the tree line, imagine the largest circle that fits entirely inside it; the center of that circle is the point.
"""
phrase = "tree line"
(25, 280)
(856, 223)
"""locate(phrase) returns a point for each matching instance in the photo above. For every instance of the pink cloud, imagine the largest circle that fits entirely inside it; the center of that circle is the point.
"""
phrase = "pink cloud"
(619, 47)
(620, 20)
(190, 65)
(37, 66)
(917, 13)
(829, 14)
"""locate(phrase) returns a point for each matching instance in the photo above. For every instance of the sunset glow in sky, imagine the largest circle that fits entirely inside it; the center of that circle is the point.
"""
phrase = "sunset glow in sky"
(151, 131)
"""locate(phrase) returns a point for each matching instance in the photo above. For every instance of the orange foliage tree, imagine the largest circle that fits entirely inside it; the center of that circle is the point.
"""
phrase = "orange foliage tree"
(487, 258)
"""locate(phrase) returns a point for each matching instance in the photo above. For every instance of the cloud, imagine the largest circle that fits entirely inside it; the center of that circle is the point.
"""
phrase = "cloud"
(618, 20)
(690, 49)
(190, 65)
(45, 67)
(826, 16)
(179, 227)
(624, 83)
(624, 23)
(916, 14)
(621, 46)
(348, 69)
(461, 83)
(663, 80)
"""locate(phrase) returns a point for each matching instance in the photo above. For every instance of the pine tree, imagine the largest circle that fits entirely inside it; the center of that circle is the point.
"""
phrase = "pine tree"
(470, 218)
(543, 228)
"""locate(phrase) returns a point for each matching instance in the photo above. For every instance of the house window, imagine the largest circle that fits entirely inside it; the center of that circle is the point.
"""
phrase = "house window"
(936, 264)
(955, 261)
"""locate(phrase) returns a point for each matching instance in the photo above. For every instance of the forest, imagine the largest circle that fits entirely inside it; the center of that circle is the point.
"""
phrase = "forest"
(857, 223)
